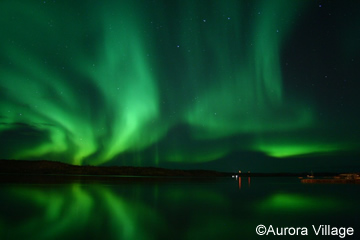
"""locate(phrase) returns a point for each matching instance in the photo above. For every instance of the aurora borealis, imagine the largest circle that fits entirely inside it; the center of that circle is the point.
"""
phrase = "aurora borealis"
(150, 83)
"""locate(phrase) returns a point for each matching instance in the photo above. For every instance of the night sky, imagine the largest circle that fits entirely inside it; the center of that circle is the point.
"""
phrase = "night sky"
(268, 85)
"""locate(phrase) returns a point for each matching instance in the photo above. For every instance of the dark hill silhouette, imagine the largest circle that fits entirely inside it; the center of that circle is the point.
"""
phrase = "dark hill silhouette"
(45, 167)
(52, 167)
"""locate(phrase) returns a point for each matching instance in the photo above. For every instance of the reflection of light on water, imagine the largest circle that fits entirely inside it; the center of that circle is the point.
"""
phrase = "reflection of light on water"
(238, 178)
(184, 209)
(76, 208)
(60, 210)
(296, 202)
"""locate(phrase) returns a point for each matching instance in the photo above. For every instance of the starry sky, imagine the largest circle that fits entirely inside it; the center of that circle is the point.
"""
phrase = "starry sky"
(224, 85)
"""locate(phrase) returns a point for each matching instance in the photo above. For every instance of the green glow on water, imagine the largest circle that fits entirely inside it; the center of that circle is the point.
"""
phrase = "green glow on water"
(129, 208)
(74, 208)
(213, 228)
(56, 209)
(129, 220)
(201, 195)
(296, 202)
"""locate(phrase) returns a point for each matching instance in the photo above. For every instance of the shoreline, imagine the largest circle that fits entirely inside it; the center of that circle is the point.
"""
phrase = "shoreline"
(44, 167)
(47, 168)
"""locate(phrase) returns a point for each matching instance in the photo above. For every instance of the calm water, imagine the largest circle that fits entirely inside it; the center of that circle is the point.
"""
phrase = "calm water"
(150, 208)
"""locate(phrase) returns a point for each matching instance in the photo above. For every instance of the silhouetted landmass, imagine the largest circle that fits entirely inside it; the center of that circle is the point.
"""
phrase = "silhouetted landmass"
(285, 174)
(51, 167)
(42, 167)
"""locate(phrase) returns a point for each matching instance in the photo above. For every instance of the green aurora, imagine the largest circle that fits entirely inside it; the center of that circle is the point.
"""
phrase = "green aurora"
(151, 82)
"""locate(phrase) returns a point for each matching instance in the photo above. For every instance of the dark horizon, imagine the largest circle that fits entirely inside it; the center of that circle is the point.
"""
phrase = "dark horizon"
(23, 171)
(298, 167)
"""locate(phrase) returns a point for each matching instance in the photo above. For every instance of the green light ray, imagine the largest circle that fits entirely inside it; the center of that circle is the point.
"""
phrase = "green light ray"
(283, 146)
(89, 83)
(246, 94)
(196, 155)
(49, 98)
(292, 150)
(125, 78)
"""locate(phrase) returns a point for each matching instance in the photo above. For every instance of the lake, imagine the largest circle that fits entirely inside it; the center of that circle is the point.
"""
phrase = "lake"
(60, 207)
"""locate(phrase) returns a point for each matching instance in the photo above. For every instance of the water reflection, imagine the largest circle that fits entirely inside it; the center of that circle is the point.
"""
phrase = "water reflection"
(74, 210)
(295, 202)
(180, 209)
(239, 180)
(113, 211)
